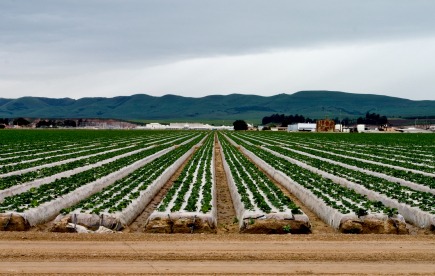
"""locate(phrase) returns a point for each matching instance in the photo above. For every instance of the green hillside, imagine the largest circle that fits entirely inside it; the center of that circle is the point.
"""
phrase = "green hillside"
(313, 104)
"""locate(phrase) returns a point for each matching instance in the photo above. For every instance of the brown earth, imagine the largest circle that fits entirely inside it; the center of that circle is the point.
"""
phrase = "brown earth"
(140, 253)
(226, 215)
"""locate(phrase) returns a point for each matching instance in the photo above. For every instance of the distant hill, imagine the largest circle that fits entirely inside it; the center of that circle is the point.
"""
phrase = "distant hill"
(313, 104)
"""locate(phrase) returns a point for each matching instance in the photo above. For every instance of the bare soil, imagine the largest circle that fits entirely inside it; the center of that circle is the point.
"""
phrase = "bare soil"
(140, 253)
(226, 216)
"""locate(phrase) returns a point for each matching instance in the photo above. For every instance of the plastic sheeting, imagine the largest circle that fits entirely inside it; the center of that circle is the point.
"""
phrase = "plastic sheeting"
(414, 215)
(210, 218)
(241, 212)
(36, 183)
(49, 210)
(126, 216)
(412, 185)
(375, 162)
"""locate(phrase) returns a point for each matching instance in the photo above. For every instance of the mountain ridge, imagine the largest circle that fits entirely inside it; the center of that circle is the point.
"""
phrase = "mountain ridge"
(313, 104)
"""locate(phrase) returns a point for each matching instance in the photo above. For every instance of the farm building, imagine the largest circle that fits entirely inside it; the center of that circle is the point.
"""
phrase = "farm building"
(325, 125)
(361, 128)
(154, 126)
(302, 127)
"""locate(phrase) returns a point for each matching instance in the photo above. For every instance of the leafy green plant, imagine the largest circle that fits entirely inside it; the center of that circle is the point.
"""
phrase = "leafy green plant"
(287, 228)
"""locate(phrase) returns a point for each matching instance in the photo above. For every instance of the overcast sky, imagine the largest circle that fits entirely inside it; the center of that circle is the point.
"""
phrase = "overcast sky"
(107, 48)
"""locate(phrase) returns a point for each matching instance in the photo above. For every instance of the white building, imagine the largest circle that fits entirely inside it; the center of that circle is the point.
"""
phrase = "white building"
(302, 127)
(155, 126)
(361, 128)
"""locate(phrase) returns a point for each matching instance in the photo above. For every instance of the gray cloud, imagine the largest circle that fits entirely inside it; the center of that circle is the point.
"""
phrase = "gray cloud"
(53, 39)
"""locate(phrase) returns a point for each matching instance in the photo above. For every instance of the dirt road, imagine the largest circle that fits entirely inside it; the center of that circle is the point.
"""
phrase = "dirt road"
(126, 253)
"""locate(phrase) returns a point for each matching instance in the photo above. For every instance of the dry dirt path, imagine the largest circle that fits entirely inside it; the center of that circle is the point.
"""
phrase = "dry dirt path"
(225, 207)
(230, 253)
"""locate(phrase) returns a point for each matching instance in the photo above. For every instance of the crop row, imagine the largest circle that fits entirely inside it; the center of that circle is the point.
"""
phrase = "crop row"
(256, 198)
(422, 163)
(128, 196)
(190, 203)
(30, 142)
(413, 147)
(314, 189)
(192, 191)
(422, 179)
(30, 165)
(74, 153)
(391, 145)
(56, 190)
(19, 157)
(17, 179)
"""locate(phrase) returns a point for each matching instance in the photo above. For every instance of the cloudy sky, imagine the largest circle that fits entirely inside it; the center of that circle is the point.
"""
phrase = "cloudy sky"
(87, 48)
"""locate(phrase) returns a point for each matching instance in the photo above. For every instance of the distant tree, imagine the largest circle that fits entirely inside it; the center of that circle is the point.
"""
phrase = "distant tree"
(21, 122)
(69, 123)
(284, 120)
(240, 125)
(4, 121)
(372, 119)
(41, 123)
(345, 121)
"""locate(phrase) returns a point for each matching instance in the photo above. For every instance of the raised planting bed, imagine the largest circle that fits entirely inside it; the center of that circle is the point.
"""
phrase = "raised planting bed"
(43, 203)
(117, 205)
(261, 207)
(415, 202)
(190, 204)
(341, 207)
(19, 183)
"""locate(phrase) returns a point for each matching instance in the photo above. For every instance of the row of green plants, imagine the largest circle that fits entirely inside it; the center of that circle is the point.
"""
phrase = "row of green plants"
(20, 156)
(423, 200)
(425, 180)
(10, 151)
(249, 180)
(340, 198)
(17, 179)
(196, 178)
(119, 195)
(70, 150)
(400, 158)
(422, 163)
(48, 192)
(29, 142)
(74, 153)
(394, 146)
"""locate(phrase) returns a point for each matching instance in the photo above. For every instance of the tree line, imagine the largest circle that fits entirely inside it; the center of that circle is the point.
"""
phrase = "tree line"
(40, 124)
(285, 120)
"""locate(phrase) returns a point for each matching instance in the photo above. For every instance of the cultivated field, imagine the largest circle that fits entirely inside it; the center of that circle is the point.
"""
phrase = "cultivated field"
(83, 181)
(226, 184)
